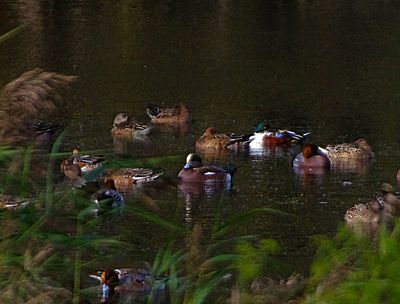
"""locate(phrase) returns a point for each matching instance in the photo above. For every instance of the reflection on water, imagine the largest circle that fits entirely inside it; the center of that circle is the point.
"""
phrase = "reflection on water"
(325, 67)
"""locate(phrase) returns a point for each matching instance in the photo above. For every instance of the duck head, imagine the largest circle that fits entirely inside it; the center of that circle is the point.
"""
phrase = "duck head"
(193, 161)
(363, 144)
(121, 120)
(110, 279)
(377, 204)
(210, 131)
(387, 188)
(310, 150)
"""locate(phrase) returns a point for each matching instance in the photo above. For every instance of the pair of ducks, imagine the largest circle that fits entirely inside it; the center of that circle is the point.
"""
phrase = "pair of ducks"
(382, 208)
(212, 139)
(314, 157)
(126, 126)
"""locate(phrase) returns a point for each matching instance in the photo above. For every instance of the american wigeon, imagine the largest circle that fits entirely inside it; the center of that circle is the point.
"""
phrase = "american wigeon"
(177, 114)
(195, 171)
(311, 158)
(125, 178)
(212, 139)
(360, 149)
(126, 126)
(85, 163)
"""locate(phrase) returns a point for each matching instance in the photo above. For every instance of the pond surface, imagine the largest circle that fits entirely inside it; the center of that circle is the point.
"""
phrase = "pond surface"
(327, 67)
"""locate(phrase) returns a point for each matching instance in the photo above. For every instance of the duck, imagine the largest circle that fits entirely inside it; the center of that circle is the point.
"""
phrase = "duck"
(131, 284)
(86, 163)
(371, 212)
(392, 201)
(10, 202)
(45, 133)
(177, 114)
(263, 137)
(212, 139)
(312, 157)
(125, 178)
(359, 149)
(126, 126)
(195, 171)
(107, 198)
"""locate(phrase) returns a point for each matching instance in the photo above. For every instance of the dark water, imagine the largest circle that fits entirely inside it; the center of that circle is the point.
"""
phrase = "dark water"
(328, 67)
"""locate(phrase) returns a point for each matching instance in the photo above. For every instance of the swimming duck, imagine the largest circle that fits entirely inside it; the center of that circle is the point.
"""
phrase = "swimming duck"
(194, 171)
(262, 137)
(130, 285)
(392, 202)
(174, 115)
(211, 139)
(107, 198)
(86, 163)
(360, 149)
(125, 126)
(125, 178)
(311, 158)
(12, 203)
(371, 212)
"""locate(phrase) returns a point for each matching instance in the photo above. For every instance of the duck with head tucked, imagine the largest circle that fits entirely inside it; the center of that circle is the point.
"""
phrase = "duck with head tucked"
(177, 114)
(265, 138)
(312, 157)
(360, 149)
(212, 139)
(126, 126)
(195, 171)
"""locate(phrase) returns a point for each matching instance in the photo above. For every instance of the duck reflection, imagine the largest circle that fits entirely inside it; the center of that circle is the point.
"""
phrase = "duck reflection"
(127, 144)
(178, 129)
(358, 166)
(198, 181)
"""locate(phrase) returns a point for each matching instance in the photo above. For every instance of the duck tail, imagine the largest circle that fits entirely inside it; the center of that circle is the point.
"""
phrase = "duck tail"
(230, 169)
(322, 151)
(41, 128)
(297, 138)
(240, 138)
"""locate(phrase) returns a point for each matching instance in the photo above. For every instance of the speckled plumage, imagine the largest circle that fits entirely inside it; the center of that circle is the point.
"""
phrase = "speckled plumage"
(359, 149)
(371, 212)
